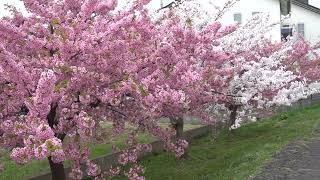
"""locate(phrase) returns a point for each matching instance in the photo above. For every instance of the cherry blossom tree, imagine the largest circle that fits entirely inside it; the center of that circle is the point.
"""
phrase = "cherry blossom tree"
(71, 65)
(264, 73)
(261, 73)
(195, 34)
(65, 68)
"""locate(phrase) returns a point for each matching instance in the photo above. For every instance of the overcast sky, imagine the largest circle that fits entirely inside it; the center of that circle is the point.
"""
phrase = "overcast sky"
(153, 5)
(19, 4)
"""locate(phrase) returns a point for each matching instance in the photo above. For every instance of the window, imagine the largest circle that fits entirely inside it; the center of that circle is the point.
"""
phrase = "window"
(237, 18)
(286, 31)
(301, 29)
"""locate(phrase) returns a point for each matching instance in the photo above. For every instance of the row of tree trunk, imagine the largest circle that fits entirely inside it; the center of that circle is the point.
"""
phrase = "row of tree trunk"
(57, 169)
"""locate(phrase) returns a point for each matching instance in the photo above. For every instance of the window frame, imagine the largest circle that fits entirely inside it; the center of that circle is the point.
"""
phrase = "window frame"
(239, 15)
(301, 28)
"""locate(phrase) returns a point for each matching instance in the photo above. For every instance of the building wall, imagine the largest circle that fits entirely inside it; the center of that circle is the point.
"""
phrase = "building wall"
(315, 3)
(246, 7)
(311, 22)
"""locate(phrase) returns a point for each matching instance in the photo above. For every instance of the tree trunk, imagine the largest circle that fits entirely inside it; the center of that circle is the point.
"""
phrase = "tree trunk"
(233, 115)
(177, 124)
(179, 128)
(57, 170)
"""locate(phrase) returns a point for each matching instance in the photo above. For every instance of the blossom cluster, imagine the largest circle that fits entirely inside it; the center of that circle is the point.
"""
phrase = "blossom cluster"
(72, 65)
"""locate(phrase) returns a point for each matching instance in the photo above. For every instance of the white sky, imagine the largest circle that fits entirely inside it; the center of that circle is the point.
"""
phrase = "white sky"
(17, 3)
(155, 4)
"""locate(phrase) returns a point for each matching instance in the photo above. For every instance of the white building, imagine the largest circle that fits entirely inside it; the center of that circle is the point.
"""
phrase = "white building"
(305, 16)
(243, 10)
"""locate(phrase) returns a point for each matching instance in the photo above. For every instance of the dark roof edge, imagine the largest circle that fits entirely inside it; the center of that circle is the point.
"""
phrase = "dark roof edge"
(306, 6)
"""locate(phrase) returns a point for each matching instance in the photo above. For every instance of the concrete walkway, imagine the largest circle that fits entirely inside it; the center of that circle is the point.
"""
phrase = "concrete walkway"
(297, 161)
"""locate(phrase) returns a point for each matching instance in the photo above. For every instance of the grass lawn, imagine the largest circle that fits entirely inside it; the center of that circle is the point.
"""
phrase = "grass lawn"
(239, 155)
(16, 172)
(230, 156)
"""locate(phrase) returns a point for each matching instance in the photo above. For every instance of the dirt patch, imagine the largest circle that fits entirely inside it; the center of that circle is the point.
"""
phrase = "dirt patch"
(297, 161)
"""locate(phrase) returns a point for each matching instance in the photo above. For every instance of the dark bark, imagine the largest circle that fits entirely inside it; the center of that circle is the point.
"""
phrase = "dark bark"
(51, 117)
(178, 124)
(171, 5)
(233, 115)
(57, 170)
(179, 128)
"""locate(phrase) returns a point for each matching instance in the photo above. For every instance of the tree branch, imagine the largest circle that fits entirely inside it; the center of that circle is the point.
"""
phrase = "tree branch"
(109, 107)
(171, 5)
(230, 95)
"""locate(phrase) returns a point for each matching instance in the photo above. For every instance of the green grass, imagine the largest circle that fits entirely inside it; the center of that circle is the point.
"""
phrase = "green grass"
(230, 156)
(15, 172)
(239, 155)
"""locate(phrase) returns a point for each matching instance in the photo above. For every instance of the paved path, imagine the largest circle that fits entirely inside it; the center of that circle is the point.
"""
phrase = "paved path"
(297, 161)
